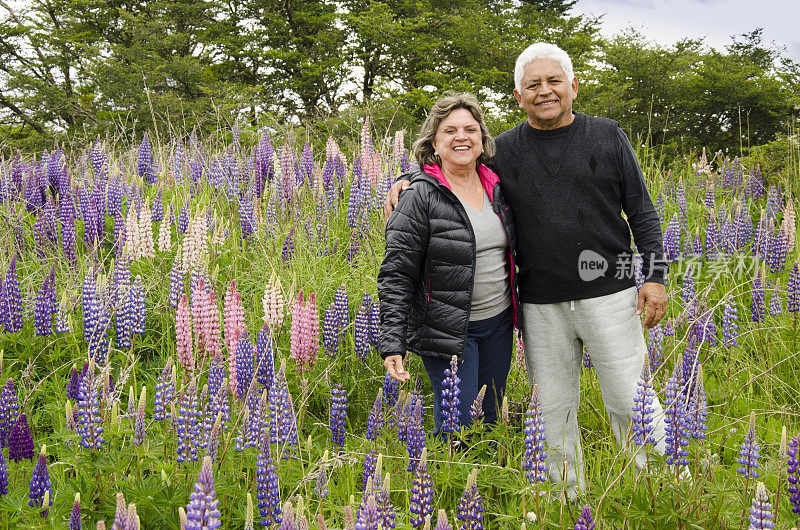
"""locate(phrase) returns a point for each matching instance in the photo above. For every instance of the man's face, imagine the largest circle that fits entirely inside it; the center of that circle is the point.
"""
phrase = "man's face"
(547, 94)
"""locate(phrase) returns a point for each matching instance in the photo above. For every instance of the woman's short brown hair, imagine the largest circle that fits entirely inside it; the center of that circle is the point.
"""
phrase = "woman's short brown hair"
(423, 146)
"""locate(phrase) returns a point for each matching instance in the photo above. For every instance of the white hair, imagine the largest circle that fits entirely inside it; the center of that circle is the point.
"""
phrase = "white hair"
(542, 50)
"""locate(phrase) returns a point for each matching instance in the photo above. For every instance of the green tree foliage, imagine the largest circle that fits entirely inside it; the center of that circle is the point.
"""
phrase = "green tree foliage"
(687, 95)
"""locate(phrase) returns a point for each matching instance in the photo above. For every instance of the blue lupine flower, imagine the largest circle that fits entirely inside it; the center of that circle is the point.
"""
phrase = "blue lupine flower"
(749, 453)
(89, 424)
(697, 409)
(793, 472)
(265, 358)
(165, 390)
(761, 510)
(187, 424)
(415, 437)
(9, 411)
(338, 415)
(757, 304)
(585, 521)
(675, 419)
(421, 502)
(375, 419)
(3, 475)
(533, 459)
(451, 416)
(12, 298)
(202, 512)
(730, 326)
(368, 469)
(470, 506)
(244, 364)
(361, 333)
(40, 482)
(643, 427)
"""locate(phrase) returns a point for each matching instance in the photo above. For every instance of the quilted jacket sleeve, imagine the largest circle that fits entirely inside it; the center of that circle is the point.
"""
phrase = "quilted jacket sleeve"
(407, 234)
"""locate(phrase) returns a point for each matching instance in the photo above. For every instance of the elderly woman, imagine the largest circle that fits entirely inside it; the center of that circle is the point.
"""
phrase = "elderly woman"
(446, 281)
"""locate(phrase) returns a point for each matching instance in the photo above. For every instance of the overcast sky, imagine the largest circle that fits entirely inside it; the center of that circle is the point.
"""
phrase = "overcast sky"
(666, 21)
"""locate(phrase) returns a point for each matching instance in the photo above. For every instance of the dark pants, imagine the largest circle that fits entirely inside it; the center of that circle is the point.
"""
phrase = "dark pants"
(486, 360)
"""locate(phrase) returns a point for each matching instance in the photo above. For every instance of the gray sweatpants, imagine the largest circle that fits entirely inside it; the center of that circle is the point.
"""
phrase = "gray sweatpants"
(612, 333)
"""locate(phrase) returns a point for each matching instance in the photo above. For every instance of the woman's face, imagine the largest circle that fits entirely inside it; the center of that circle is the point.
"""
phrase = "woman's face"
(459, 141)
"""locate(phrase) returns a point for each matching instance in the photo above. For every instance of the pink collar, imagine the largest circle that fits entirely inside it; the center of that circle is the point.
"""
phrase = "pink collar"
(488, 177)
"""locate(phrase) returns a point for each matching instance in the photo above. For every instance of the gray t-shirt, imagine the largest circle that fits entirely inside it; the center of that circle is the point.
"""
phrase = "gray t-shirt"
(491, 292)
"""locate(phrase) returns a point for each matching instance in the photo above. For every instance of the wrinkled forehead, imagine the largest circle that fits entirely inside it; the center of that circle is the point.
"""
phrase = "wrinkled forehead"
(543, 69)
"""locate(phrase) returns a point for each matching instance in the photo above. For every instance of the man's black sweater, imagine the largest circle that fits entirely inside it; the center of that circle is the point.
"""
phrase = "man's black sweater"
(567, 190)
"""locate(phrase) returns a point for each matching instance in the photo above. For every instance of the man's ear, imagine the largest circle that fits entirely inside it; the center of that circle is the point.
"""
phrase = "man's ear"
(575, 87)
(518, 97)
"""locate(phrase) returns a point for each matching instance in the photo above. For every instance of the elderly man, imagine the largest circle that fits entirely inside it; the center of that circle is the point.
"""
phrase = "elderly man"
(568, 177)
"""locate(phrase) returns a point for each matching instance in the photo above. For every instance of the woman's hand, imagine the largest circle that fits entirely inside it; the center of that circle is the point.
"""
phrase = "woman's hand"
(394, 365)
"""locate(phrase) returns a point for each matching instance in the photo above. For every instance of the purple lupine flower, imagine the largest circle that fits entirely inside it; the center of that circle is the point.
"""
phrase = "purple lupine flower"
(45, 308)
(793, 289)
(139, 424)
(202, 512)
(244, 364)
(20, 442)
(675, 419)
(183, 218)
(212, 443)
(265, 357)
(421, 502)
(338, 415)
(269, 494)
(374, 325)
(776, 301)
(12, 298)
(533, 459)
(655, 348)
(68, 234)
(176, 283)
(451, 416)
(749, 454)
(476, 409)
(139, 307)
(282, 408)
(688, 368)
(757, 304)
(165, 390)
(75, 514)
(761, 510)
(89, 420)
(3, 475)
(688, 293)
(361, 333)
(216, 373)
(697, 409)
(744, 227)
(672, 239)
(470, 505)
(124, 304)
(187, 424)
(415, 437)
(793, 472)
(287, 250)
(9, 410)
(705, 329)
(40, 482)
(321, 486)
(442, 522)
(730, 326)
(368, 468)
(643, 427)
(330, 331)
(585, 521)
(157, 208)
(761, 238)
(145, 162)
(375, 419)
(774, 202)
(368, 516)
(777, 248)
(391, 390)
(712, 242)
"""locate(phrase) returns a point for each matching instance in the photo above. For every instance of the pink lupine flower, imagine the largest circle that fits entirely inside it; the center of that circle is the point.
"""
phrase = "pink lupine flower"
(199, 299)
(296, 332)
(234, 327)
(213, 342)
(183, 335)
(311, 330)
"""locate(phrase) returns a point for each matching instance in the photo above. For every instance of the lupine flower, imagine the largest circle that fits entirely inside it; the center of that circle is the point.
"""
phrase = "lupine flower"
(757, 305)
(330, 331)
(761, 510)
(375, 419)
(183, 336)
(176, 280)
(338, 415)
(9, 410)
(697, 408)
(234, 327)
(688, 292)
(415, 438)
(712, 244)
(165, 390)
(287, 250)
(533, 459)
(368, 517)
(282, 409)
(139, 424)
(777, 248)
(585, 521)
(45, 308)
(121, 515)
(244, 365)
(368, 469)
(642, 418)
(75, 515)
(212, 444)
(202, 512)
(187, 424)
(3, 475)
(89, 424)
(675, 419)
(391, 390)
(361, 333)
(451, 416)
(655, 348)
(124, 304)
(793, 289)
(793, 472)
(139, 307)
(421, 502)
(402, 411)
(775, 301)
(386, 511)
(672, 239)
(470, 506)
(749, 453)
(476, 410)
(321, 487)
(730, 326)
(40, 482)
(274, 303)
(265, 357)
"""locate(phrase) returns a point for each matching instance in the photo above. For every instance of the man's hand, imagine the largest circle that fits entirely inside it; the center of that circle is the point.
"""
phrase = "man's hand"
(393, 196)
(394, 365)
(654, 296)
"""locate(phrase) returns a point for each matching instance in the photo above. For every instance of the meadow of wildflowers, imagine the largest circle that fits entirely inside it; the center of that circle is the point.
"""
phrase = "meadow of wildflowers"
(188, 332)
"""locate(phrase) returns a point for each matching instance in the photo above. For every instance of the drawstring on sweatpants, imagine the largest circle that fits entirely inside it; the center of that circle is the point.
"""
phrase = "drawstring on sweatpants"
(572, 305)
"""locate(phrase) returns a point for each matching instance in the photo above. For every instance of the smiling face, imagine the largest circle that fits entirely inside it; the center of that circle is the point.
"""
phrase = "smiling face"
(459, 140)
(547, 94)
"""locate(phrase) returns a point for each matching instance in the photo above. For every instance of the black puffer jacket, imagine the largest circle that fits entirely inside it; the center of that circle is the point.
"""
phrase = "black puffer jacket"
(426, 278)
